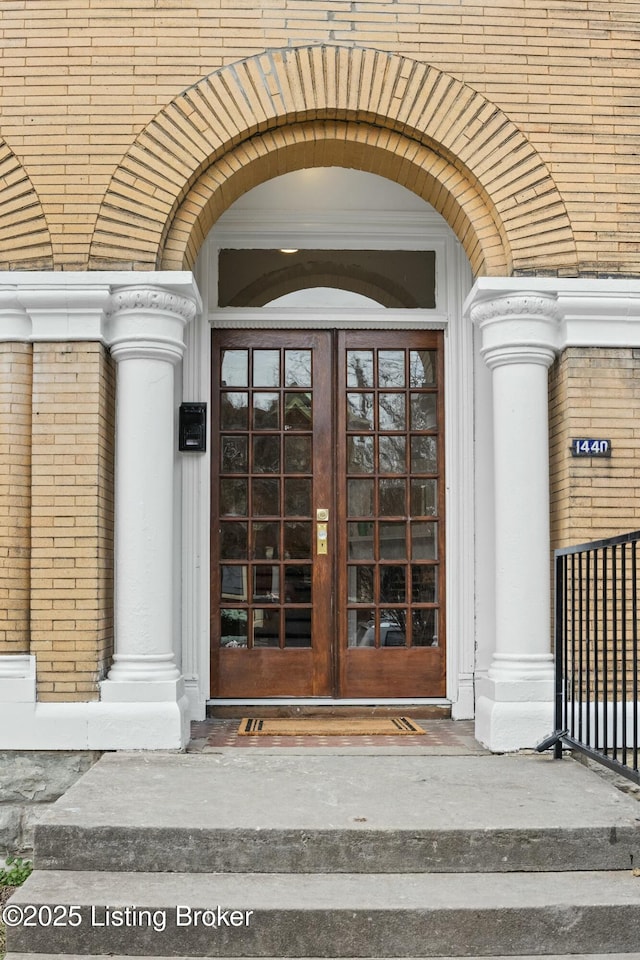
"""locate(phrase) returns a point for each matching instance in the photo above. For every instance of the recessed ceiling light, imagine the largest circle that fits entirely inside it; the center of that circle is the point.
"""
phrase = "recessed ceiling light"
(288, 250)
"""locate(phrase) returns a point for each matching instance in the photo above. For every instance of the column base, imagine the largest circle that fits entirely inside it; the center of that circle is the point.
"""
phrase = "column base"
(513, 715)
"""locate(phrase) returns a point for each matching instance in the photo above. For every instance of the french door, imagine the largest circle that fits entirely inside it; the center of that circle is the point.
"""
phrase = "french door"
(327, 539)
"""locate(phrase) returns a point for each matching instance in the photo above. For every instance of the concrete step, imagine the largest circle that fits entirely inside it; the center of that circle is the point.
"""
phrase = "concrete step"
(353, 915)
(336, 814)
(578, 956)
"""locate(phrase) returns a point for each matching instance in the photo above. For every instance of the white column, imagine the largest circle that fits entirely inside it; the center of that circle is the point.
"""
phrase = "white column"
(515, 701)
(146, 336)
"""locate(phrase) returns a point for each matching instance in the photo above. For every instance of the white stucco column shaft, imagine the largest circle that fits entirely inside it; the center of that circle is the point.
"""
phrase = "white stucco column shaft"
(146, 337)
(519, 333)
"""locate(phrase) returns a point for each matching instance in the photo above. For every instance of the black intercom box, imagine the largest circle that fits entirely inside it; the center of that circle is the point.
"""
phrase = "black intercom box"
(192, 432)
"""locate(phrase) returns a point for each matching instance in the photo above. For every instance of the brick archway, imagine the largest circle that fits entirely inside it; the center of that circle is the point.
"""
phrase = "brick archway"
(25, 242)
(325, 105)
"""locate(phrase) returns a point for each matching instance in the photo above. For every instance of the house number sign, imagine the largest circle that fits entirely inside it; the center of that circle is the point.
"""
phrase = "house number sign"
(586, 447)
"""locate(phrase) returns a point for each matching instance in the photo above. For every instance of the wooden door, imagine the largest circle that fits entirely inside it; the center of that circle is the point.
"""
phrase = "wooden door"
(348, 424)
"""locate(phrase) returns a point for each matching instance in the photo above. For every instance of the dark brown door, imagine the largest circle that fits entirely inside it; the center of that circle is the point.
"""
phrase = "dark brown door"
(344, 605)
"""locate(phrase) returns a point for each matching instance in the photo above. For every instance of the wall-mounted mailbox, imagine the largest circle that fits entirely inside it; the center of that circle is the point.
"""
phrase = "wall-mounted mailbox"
(192, 431)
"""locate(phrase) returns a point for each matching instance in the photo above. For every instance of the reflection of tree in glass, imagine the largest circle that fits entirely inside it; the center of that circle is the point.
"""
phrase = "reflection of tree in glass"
(422, 368)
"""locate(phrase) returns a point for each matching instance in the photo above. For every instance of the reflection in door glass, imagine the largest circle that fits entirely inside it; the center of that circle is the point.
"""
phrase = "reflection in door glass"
(424, 541)
(393, 498)
(233, 628)
(391, 368)
(233, 498)
(297, 627)
(234, 411)
(424, 498)
(297, 497)
(425, 628)
(391, 413)
(266, 368)
(393, 457)
(297, 368)
(297, 454)
(361, 628)
(266, 454)
(266, 627)
(393, 541)
(360, 497)
(423, 411)
(423, 454)
(393, 588)
(297, 411)
(360, 454)
(266, 497)
(360, 584)
(266, 412)
(424, 583)
(233, 541)
(234, 455)
(422, 368)
(297, 540)
(393, 628)
(359, 411)
(235, 368)
(359, 368)
(233, 582)
(360, 539)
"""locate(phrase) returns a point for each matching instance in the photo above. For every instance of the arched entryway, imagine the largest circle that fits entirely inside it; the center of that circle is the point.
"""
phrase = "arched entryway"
(382, 592)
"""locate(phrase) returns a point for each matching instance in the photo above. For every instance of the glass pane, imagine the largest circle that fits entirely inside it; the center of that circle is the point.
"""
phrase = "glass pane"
(233, 628)
(266, 498)
(233, 498)
(266, 582)
(425, 628)
(424, 584)
(359, 454)
(360, 496)
(297, 411)
(297, 454)
(266, 411)
(391, 411)
(297, 540)
(233, 541)
(234, 411)
(297, 497)
(266, 537)
(266, 454)
(391, 368)
(422, 368)
(359, 368)
(424, 498)
(233, 582)
(393, 456)
(392, 498)
(361, 628)
(423, 455)
(360, 584)
(234, 455)
(235, 368)
(297, 584)
(297, 628)
(393, 541)
(393, 628)
(359, 411)
(393, 585)
(423, 411)
(360, 538)
(297, 368)
(266, 627)
(266, 368)
(424, 541)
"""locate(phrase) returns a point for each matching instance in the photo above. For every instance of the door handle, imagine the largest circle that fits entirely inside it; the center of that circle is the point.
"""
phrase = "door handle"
(322, 531)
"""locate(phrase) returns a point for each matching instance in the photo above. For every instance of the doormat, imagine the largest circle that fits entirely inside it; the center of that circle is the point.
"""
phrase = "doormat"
(328, 727)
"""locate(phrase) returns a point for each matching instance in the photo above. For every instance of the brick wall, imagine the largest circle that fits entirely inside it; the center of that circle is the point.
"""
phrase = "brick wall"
(82, 79)
(594, 392)
(15, 495)
(72, 530)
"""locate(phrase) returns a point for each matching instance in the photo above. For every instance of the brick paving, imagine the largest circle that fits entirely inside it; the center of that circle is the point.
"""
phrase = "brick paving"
(441, 736)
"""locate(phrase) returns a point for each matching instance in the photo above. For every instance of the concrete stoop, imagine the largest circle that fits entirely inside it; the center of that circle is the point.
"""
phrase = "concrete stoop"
(327, 856)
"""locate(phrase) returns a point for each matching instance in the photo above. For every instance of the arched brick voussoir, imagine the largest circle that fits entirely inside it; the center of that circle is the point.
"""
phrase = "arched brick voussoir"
(335, 143)
(279, 88)
(25, 241)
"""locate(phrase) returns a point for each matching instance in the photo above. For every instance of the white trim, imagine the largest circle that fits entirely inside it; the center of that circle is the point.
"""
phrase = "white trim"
(329, 701)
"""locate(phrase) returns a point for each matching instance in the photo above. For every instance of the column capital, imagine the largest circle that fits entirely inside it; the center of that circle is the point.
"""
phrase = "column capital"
(145, 321)
(520, 327)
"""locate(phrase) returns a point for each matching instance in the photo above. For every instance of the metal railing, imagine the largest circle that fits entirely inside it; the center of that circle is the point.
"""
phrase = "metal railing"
(596, 652)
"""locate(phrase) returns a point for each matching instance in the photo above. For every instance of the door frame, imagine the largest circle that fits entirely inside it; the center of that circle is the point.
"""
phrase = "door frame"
(453, 282)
